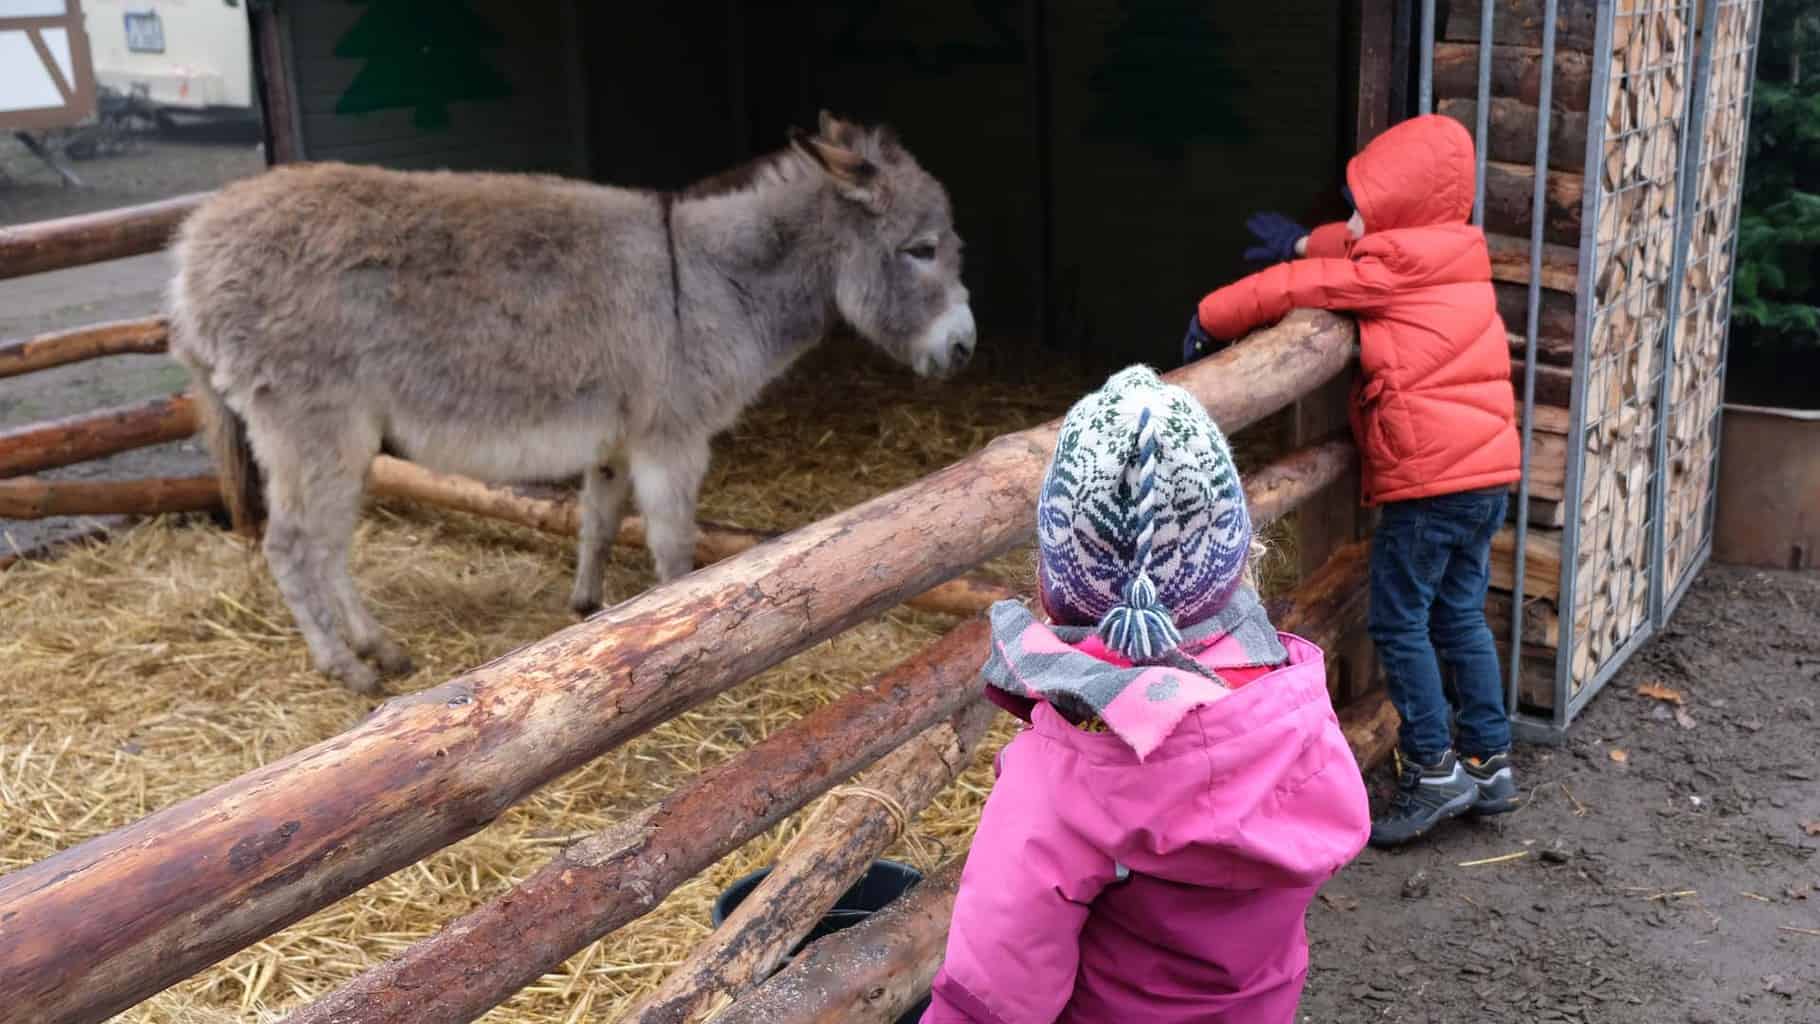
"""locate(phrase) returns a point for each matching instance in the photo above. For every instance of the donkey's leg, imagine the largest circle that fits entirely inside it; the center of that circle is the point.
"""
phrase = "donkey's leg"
(303, 478)
(336, 509)
(603, 508)
(667, 478)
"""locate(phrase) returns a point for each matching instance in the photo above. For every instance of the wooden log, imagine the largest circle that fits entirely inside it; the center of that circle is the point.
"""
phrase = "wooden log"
(833, 851)
(1541, 563)
(612, 877)
(1519, 23)
(714, 542)
(1541, 623)
(1509, 191)
(92, 237)
(1554, 384)
(1510, 132)
(1516, 73)
(34, 498)
(876, 970)
(871, 973)
(146, 336)
(1370, 724)
(1510, 262)
(1554, 322)
(95, 928)
(41, 446)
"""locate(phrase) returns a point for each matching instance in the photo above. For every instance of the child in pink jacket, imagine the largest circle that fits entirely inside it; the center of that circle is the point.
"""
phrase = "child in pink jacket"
(1183, 789)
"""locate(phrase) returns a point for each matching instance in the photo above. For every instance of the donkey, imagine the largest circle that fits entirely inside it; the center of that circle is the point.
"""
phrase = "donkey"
(517, 327)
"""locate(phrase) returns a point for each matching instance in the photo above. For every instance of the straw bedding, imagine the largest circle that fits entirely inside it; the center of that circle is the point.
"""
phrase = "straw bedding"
(143, 670)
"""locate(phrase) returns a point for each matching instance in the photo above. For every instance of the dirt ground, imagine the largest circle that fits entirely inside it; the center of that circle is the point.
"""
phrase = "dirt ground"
(1668, 869)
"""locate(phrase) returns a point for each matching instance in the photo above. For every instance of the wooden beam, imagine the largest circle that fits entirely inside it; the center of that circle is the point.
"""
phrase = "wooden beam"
(40, 446)
(1554, 384)
(1509, 190)
(1519, 23)
(1516, 73)
(478, 961)
(98, 927)
(1375, 71)
(34, 498)
(832, 852)
(1554, 322)
(1510, 262)
(1510, 133)
(92, 237)
(1541, 563)
(147, 335)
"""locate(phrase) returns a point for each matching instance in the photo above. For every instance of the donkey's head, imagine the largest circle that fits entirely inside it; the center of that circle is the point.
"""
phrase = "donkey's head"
(896, 256)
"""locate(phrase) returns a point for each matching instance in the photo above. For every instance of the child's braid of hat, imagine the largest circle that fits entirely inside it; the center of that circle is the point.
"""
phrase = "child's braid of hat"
(1139, 627)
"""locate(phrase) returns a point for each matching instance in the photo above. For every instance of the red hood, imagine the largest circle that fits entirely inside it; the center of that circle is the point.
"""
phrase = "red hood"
(1418, 174)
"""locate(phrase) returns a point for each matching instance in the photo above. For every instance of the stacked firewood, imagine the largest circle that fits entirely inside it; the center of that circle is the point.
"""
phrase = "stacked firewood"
(1626, 265)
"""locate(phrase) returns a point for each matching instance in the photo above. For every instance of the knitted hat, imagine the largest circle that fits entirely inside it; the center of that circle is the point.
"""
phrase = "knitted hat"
(1141, 525)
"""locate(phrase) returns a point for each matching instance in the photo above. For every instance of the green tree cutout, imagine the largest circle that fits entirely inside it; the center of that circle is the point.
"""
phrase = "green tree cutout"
(424, 54)
(1164, 84)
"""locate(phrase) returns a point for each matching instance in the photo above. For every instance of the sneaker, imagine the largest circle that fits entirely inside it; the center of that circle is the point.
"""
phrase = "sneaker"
(1497, 785)
(1427, 794)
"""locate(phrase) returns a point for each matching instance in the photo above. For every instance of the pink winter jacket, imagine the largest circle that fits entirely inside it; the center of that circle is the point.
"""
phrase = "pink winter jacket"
(1106, 888)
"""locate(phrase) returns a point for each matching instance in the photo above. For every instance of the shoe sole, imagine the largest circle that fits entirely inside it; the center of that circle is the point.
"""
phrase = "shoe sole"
(1492, 808)
(1448, 813)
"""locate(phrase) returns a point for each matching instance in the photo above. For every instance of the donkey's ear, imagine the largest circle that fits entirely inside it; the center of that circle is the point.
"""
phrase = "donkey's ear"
(855, 176)
(834, 130)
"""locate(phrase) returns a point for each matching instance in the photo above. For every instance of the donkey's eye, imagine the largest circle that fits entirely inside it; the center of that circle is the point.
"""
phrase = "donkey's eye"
(921, 251)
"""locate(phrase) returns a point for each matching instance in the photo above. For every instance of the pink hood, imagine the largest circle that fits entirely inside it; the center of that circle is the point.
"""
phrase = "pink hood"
(1105, 887)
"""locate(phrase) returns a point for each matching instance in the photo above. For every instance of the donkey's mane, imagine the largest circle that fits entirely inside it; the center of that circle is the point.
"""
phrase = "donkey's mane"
(749, 175)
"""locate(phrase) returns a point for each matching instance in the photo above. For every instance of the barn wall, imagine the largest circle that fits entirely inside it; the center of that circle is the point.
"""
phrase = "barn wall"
(491, 91)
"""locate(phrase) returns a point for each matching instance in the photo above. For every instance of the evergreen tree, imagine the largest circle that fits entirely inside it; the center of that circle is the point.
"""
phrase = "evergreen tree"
(1776, 296)
(423, 54)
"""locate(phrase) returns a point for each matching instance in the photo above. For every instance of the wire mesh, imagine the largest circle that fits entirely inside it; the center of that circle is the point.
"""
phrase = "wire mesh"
(1624, 356)
(1696, 384)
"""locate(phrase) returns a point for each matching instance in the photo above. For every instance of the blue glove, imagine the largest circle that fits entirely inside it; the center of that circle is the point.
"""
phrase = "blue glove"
(1278, 234)
(1197, 343)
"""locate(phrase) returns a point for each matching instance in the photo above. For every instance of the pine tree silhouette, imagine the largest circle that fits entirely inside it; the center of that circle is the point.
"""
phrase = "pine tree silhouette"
(423, 54)
(1164, 83)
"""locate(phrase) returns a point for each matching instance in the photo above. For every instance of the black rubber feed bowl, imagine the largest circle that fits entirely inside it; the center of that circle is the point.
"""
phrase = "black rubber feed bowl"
(883, 882)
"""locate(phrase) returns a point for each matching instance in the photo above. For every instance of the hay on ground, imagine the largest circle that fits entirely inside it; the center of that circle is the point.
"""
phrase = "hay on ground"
(143, 670)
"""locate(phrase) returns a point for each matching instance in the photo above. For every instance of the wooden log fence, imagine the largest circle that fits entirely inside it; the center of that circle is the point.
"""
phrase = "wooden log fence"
(462, 971)
(98, 927)
(146, 336)
(95, 435)
(92, 237)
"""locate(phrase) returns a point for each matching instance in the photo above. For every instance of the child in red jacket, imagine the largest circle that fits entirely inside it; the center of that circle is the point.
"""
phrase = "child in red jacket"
(1434, 417)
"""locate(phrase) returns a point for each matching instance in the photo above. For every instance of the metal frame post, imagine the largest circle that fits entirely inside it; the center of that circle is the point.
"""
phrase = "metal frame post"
(1487, 10)
(1425, 93)
(1537, 215)
(1753, 35)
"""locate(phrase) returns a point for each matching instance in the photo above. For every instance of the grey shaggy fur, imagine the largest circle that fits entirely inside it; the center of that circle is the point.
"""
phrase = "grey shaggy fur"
(517, 327)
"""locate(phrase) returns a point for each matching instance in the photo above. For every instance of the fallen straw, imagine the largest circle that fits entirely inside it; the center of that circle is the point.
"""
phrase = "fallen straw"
(1799, 931)
(1519, 855)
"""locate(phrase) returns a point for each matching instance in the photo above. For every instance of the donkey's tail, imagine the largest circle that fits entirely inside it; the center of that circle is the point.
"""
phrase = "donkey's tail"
(225, 432)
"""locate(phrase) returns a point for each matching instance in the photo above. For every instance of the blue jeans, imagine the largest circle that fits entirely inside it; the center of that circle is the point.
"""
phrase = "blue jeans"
(1430, 567)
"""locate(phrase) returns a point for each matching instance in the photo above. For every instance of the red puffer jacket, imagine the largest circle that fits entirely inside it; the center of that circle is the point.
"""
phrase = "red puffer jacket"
(1434, 412)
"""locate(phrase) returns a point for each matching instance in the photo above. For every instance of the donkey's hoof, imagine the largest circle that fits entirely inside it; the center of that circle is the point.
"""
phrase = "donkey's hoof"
(584, 605)
(392, 659)
(356, 676)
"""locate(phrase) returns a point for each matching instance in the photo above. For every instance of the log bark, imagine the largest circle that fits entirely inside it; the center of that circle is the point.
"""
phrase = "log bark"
(396, 478)
(1510, 262)
(831, 853)
(1510, 131)
(34, 498)
(1554, 322)
(1516, 73)
(120, 337)
(92, 237)
(1541, 563)
(41, 446)
(1554, 384)
(1519, 23)
(1370, 724)
(1509, 191)
(95, 928)
(870, 973)
(460, 972)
